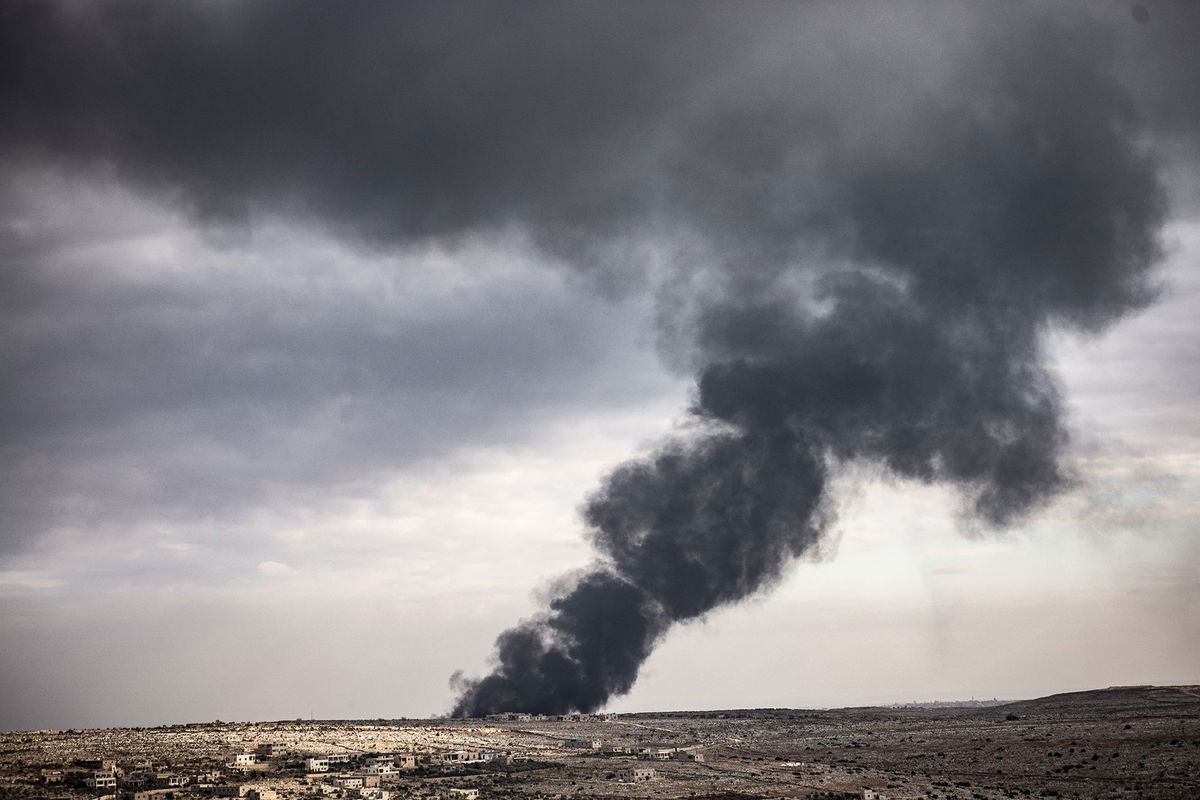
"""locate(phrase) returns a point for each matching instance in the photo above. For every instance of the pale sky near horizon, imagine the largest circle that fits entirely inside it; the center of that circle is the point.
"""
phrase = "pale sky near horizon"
(262, 461)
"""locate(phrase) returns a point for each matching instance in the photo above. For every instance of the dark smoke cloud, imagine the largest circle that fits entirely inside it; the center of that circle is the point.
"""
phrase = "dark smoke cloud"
(861, 219)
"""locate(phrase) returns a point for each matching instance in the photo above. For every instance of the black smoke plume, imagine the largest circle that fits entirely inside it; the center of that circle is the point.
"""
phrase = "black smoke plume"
(861, 221)
(1024, 206)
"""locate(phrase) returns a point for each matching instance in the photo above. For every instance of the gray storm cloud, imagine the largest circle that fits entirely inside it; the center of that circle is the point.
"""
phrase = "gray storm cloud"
(860, 223)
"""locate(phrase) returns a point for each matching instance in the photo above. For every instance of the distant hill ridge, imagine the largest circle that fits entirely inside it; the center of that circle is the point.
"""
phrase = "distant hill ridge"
(1113, 699)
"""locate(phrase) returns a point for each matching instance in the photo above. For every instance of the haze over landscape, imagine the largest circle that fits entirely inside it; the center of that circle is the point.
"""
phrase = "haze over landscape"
(711, 356)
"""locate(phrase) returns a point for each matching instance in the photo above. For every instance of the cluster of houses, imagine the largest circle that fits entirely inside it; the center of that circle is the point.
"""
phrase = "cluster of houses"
(266, 773)
(655, 752)
(250, 774)
(345, 775)
(365, 776)
(514, 716)
(141, 780)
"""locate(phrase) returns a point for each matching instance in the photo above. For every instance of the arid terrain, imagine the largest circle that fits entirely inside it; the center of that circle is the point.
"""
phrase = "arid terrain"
(1124, 742)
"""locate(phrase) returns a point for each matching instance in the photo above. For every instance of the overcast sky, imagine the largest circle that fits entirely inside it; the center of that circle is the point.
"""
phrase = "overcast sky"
(320, 324)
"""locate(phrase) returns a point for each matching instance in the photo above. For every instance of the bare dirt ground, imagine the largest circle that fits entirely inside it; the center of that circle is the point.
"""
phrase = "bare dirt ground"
(1129, 742)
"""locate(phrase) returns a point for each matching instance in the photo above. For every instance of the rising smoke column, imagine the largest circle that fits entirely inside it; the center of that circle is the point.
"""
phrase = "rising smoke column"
(1026, 206)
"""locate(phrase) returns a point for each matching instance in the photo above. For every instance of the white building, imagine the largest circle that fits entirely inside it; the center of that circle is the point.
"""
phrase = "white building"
(101, 780)
(384, 765)
(656, 752)
(636, 774)
(381, 769)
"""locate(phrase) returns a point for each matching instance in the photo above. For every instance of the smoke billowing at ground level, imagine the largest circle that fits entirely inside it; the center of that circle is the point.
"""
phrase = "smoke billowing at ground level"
(858, 223)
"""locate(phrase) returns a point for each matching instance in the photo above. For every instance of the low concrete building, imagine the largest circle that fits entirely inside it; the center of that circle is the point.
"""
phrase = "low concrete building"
(694, 754)
(582, 744)
(356, 781)
(152, 794)
(462, 794)
(381, 769)
(636, 774)
(385, 765)
(155, 779)
(241, 760)
(101, 780)
(207, 777)
(656, 752)
(139, 778)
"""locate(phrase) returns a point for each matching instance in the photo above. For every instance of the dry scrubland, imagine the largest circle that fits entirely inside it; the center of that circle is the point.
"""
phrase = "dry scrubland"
(1134, 742)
